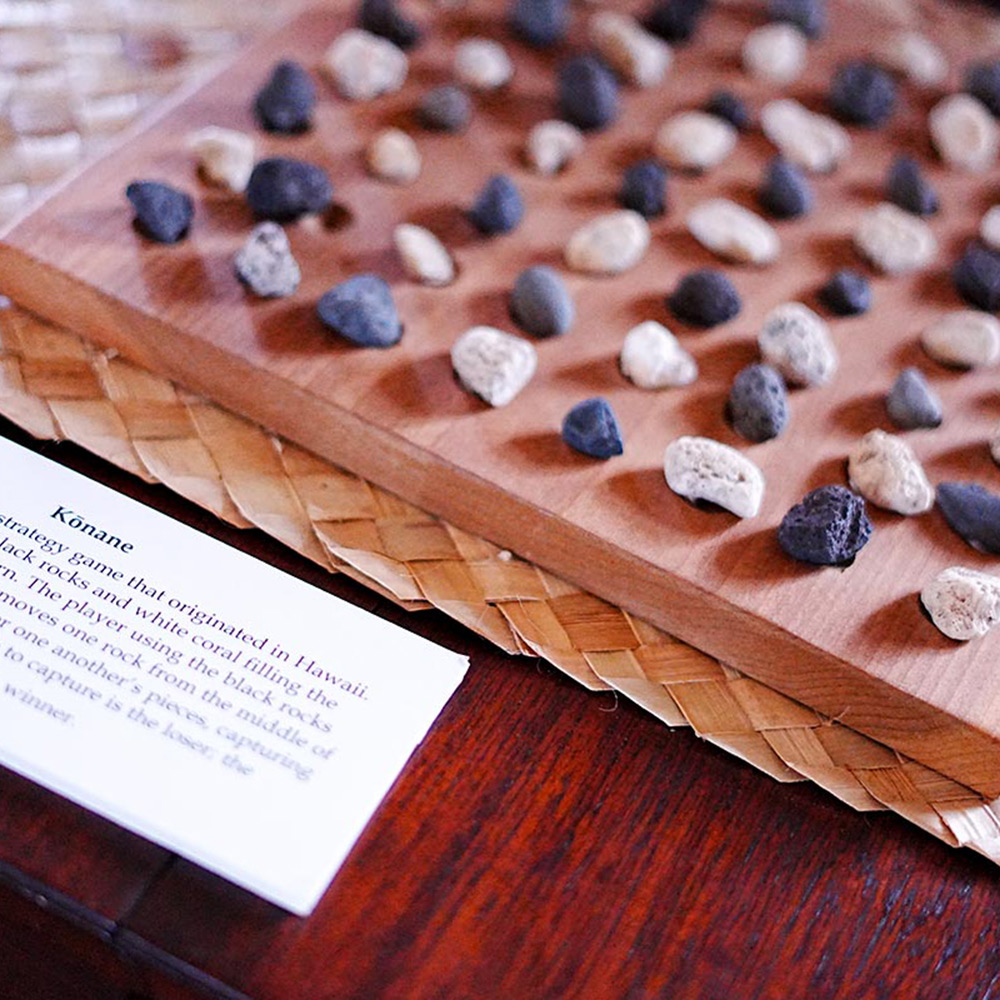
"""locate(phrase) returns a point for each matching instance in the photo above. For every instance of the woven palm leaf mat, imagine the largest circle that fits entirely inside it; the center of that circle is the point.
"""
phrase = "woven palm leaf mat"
(72, 72)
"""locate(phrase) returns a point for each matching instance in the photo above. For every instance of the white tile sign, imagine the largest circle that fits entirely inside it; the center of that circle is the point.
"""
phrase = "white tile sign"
(224, 709)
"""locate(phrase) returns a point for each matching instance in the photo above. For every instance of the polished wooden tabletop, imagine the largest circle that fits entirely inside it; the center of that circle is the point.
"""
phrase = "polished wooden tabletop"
(544, 842)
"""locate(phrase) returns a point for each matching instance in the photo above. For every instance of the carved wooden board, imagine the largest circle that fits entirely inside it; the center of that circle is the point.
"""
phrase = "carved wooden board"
(851, 643)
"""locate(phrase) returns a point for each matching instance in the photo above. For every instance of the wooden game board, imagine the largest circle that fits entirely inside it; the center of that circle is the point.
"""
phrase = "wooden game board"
(852, 643)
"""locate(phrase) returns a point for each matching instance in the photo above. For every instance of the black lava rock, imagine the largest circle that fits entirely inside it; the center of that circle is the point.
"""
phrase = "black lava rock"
(758, 403)
(381, 17)
(446, 109)
(976, 277)
(809, 16)
(540, 23)
(973, 512)
(705, 298)
(862, 93)
(847, 293)
(982, 80)
(675, 21)
(161, 212)
(726, 105)
(283, 189)
(828, 528)
(540, 303)
(361, 310)
(907, 187)
(588, 93)
(499, 207)
(911, 403)
(285, 103)
(644, 188)
(591, 428)
(785, 193)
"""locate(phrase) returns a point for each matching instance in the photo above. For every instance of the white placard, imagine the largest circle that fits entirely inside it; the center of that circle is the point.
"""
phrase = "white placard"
(220, 707)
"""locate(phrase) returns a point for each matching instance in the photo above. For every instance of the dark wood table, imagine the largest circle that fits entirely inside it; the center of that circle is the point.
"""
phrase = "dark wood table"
(544, 842)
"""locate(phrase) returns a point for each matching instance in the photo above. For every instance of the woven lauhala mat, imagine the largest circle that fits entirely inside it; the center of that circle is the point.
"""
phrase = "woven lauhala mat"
(72, 72)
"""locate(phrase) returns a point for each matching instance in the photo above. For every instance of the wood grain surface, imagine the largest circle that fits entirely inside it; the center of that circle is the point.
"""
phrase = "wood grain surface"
(851, 643)
(544, 842)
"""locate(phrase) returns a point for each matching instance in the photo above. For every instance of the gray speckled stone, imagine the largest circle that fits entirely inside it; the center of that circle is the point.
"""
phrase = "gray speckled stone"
(973, 512)
(162, 213)
(758, 403)
(285, 103)
(540, 303)
(588, 93)
(798, 343)
(498, 207)
(361, 310)
(265, 262)
(446, 109)
(912, 403)
(282, 189)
